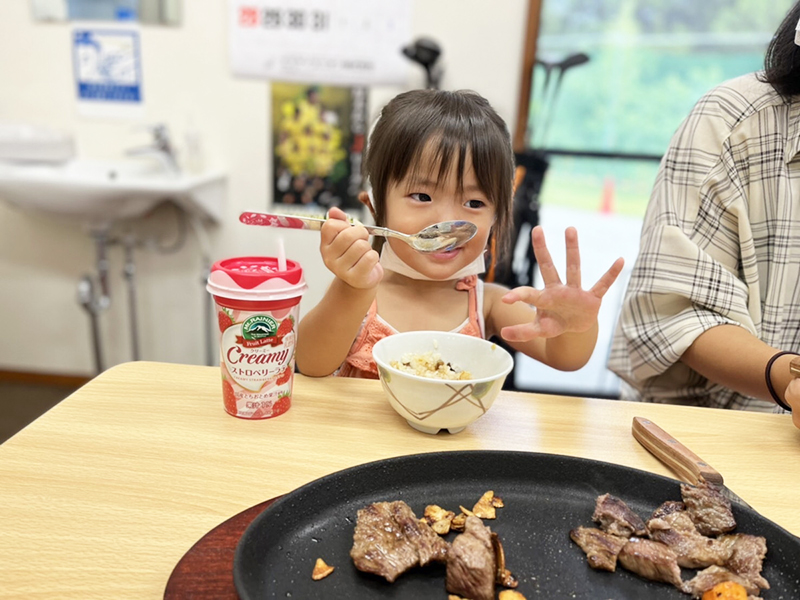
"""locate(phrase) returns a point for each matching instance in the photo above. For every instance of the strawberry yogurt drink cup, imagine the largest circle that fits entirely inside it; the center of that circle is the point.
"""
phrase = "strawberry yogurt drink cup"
(257, 306)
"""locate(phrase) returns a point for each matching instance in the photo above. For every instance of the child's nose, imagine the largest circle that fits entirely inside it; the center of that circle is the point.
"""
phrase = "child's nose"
(448, 212)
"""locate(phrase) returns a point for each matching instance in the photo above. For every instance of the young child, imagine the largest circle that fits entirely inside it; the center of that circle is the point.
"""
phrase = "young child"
(441, 156)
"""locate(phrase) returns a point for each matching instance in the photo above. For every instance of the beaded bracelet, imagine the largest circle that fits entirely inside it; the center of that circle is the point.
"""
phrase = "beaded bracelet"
(770, 387)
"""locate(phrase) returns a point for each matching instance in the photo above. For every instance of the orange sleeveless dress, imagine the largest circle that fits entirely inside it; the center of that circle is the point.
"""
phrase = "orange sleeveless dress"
(359, 362)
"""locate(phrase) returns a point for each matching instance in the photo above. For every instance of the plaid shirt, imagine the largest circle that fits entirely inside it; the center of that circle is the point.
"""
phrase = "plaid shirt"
(720, 244)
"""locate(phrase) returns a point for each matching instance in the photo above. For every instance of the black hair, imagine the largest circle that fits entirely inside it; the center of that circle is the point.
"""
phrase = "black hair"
(459, 125)
(782, 60)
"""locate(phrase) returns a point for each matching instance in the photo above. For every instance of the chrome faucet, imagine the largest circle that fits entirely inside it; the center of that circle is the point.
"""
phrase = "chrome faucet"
(161, 149)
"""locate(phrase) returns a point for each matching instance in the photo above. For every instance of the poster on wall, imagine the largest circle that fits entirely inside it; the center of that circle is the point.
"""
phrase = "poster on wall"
(341, 42)
(108, 71)
(318, 137)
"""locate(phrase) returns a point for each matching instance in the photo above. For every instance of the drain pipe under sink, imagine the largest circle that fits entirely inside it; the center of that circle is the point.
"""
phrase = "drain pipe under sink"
(129, 271)
(208, 306)
(87, 301)
(95, 302)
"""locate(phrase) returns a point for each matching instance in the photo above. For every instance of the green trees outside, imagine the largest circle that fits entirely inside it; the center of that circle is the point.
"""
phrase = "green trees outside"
(650, 62)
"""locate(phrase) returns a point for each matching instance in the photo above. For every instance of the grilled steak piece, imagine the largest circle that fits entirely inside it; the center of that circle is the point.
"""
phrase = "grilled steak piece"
(616, 517)
(669, 507)
(693, 550)
(601, 548)
(709, 509)
(389, 539)
(708, 578)
(651, 560)
(471, 566)
(747, 557)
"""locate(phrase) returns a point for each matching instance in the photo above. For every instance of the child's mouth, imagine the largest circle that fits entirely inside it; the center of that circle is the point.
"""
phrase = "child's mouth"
(446, 254)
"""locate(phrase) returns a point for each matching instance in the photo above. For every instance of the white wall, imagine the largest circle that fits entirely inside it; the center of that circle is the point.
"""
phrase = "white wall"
(186, 79)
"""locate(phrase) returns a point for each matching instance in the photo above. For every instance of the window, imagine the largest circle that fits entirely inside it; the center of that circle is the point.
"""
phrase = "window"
(604, 123)
(649, 62)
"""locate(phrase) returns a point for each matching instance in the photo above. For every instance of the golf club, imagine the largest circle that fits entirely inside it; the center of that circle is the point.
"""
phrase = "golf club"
(425, 51)
(573, 60)
(533, 127)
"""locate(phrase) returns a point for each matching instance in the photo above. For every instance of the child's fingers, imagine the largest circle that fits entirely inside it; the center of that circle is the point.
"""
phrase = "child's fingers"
(520, 333)
(336, 222)
(331, 229)
(368, 271)
(340, 235)
(546, 266)
(354, 253)
(600, 288)
(525, 332)
(573, 257)
(341, 249)
(359, 266)
(337, 214)
(525, 294)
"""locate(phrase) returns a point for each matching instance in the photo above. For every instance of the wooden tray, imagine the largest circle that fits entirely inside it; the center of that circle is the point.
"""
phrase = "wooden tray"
(206, 570)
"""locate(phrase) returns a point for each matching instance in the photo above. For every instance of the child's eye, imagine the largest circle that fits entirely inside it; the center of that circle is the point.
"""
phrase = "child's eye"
(421, 197)
(476, 203)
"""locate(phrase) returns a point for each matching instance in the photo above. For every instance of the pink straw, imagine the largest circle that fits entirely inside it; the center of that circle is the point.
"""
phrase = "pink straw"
(281, 255)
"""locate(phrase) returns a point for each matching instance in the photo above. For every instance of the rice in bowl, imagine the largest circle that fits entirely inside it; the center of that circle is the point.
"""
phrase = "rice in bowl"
(429, 364)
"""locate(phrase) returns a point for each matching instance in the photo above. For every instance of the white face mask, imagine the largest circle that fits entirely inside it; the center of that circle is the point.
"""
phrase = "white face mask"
(392, 262)
(797, 34)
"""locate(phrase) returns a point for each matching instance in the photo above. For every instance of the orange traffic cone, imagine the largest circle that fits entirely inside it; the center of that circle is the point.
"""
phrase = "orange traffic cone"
(607, 199)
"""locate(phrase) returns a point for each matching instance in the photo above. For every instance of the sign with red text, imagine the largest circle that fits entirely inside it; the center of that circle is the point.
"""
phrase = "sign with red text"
(340, 42)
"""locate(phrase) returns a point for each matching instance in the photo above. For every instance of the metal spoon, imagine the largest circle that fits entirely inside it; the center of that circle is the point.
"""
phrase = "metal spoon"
(435, 238)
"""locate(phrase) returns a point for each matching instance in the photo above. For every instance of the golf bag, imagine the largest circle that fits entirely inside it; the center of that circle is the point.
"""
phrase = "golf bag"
(517, 266)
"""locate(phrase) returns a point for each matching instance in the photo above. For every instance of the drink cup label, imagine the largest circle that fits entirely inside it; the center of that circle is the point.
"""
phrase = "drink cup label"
(257, 359)
(258, 350)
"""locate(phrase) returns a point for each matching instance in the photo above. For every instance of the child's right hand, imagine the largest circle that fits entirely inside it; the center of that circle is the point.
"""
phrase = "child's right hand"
(347, 253)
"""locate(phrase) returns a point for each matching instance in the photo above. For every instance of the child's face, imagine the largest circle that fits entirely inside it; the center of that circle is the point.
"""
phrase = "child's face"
(412, 205)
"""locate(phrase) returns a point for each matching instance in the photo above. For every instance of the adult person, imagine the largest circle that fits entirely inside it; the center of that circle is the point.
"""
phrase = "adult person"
(711, 316)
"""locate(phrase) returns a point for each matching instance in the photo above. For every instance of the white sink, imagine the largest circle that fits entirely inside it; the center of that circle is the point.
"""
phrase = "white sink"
(105, 191)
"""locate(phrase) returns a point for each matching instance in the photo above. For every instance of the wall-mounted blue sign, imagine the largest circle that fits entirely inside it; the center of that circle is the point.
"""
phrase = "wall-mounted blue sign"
(107, 65)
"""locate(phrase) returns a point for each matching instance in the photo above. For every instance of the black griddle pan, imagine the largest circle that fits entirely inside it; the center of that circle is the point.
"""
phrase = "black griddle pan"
(545, 496)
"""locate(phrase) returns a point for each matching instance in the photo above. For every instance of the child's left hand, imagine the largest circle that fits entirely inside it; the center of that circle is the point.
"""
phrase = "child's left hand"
(560, 308)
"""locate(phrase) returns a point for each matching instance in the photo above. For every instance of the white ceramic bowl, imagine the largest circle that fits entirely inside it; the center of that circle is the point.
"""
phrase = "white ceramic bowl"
(429, 404)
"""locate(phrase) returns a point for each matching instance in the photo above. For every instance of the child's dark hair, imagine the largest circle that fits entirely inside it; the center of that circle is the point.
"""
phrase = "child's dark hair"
(459, 125)
(782, 60)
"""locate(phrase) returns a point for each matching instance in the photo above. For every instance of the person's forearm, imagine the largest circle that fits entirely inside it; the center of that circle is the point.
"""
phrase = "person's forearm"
(792, 398)
(733, 357)
(570, 351)
(325, 334)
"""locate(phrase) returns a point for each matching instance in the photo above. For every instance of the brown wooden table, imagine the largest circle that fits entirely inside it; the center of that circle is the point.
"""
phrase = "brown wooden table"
(103, 495)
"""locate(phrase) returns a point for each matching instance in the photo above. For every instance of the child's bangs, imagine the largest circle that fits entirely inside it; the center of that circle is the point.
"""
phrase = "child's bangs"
(436, 156)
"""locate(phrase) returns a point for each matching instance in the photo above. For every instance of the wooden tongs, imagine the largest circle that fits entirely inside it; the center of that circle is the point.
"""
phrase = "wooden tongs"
(686, 464)
(794, 367)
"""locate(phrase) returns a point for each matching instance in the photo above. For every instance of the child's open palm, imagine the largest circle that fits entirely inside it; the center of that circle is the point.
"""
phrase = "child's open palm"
(560, 308)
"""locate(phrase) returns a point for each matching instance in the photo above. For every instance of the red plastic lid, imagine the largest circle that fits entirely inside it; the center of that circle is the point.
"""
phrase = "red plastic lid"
(251, 271)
